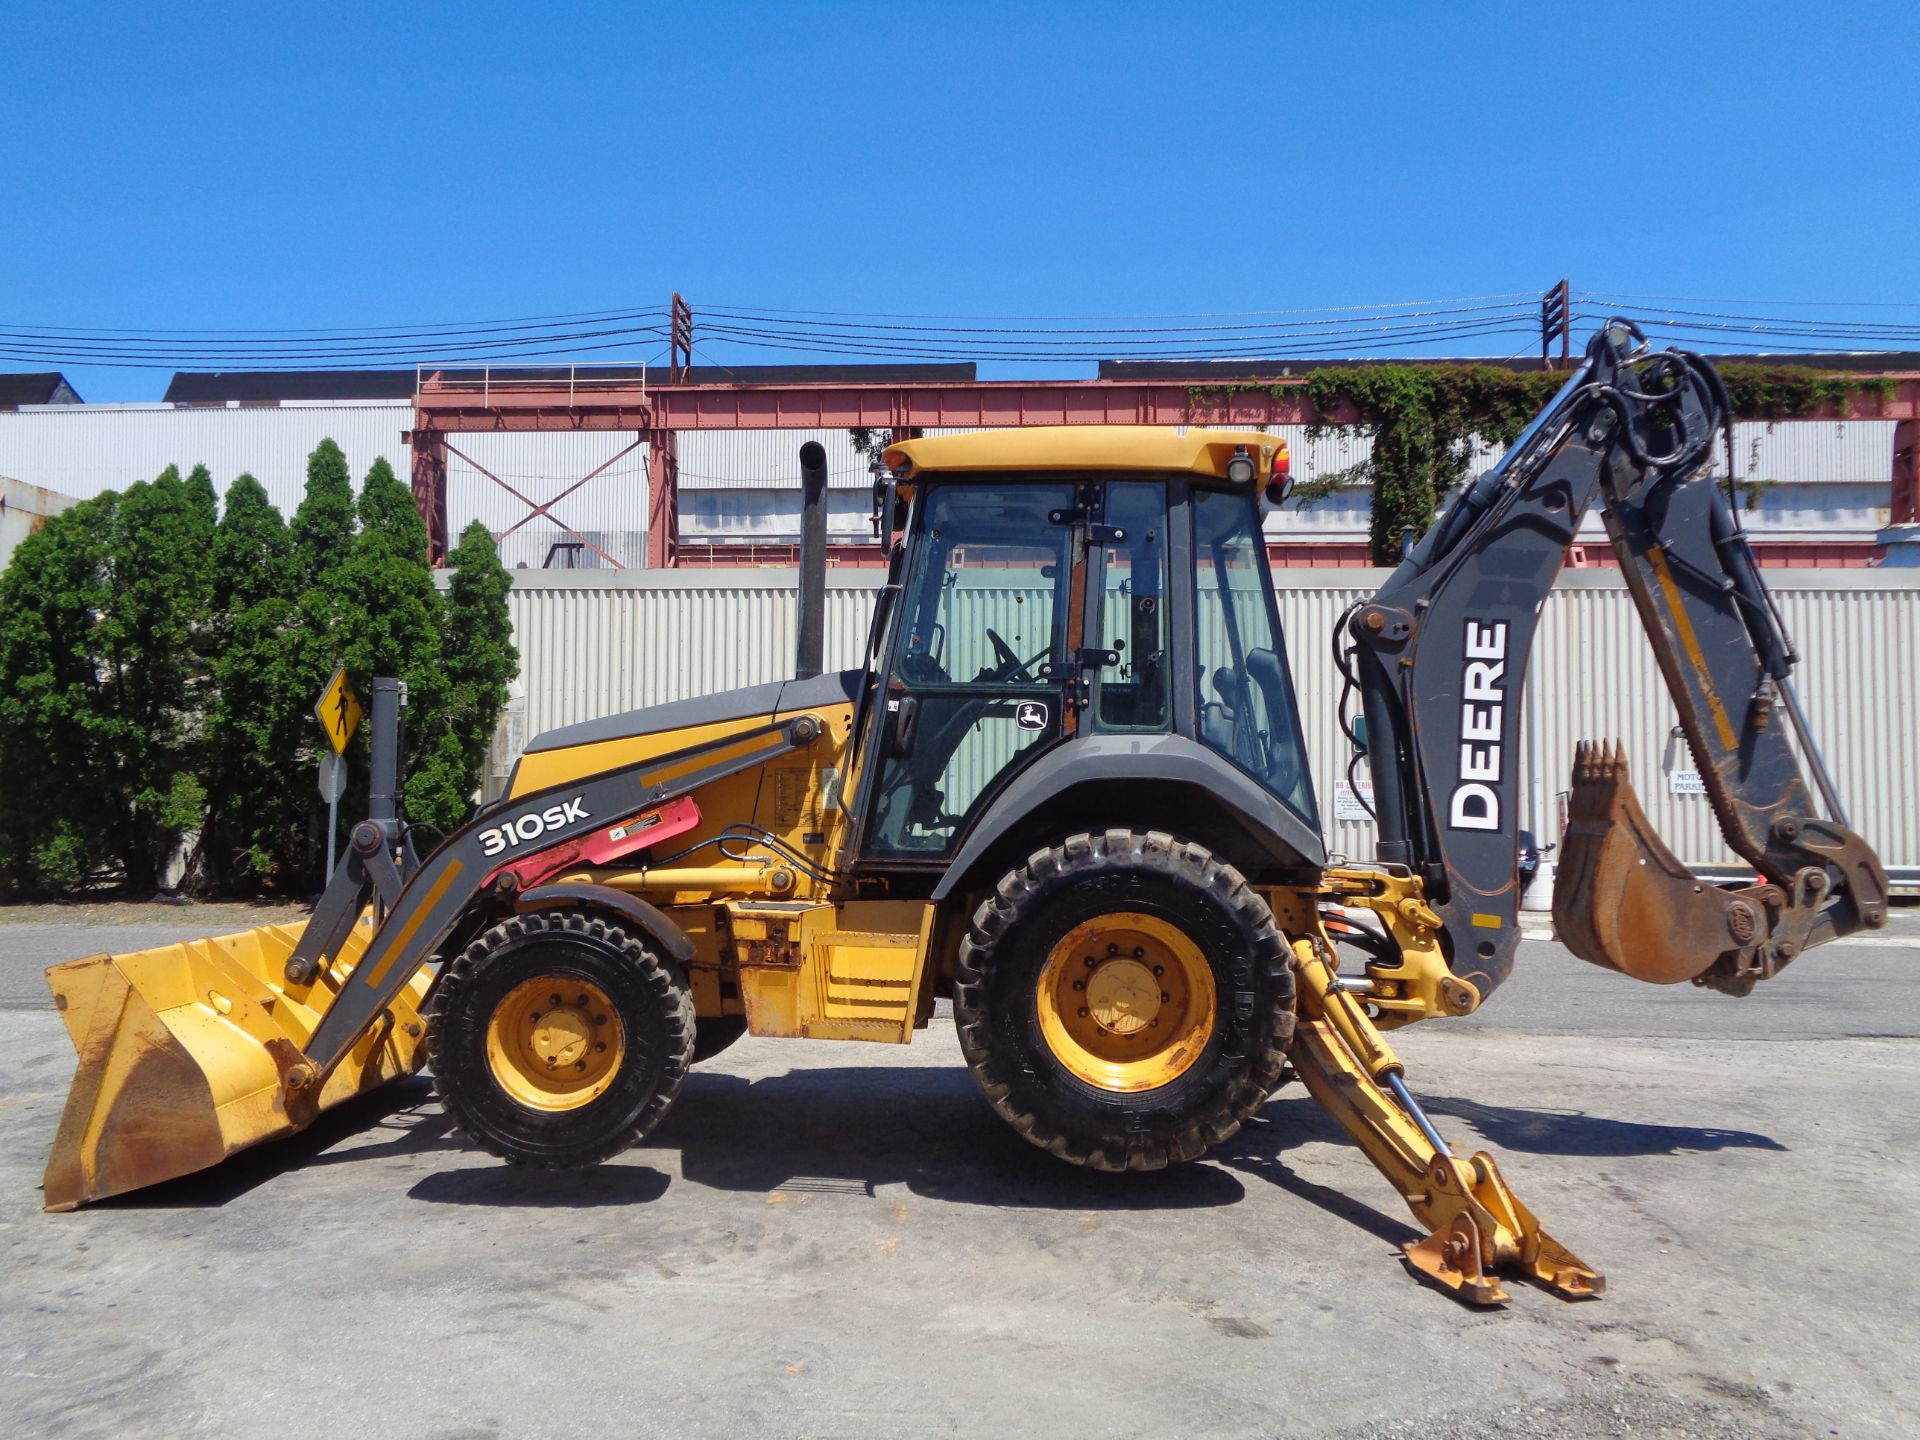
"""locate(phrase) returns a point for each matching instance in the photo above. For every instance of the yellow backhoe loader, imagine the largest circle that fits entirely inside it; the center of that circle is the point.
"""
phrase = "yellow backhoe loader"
(1068, 789)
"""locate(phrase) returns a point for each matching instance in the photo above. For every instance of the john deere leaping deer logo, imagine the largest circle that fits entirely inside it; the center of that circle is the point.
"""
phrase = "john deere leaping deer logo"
(1031, 715)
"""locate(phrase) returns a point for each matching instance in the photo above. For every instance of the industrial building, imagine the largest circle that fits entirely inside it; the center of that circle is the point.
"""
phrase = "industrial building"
(1831, 500)
(586, 491)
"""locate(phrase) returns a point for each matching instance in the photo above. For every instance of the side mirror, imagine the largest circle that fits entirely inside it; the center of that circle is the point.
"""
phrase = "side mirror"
(1360, 734)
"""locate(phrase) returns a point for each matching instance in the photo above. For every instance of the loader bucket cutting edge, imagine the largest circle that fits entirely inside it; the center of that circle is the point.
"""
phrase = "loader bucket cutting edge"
(183, 1050)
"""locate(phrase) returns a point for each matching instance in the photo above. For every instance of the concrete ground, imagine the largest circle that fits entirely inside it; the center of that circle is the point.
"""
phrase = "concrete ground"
(833, 1239)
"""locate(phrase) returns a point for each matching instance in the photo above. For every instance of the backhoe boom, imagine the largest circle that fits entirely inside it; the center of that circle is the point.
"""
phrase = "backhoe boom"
(1439, 655)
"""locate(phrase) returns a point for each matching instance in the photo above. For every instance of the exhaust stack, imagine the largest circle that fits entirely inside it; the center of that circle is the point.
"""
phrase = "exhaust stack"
(810, 621)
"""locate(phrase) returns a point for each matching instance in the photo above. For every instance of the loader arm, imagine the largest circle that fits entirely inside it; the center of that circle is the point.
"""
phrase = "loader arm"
(1439, 657)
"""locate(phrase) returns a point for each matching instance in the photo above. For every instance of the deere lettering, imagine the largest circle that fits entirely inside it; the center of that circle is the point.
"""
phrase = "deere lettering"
(510, 834)
(1475, 804)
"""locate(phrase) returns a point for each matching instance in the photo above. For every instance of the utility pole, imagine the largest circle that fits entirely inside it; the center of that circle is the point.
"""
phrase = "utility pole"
(1556, 320)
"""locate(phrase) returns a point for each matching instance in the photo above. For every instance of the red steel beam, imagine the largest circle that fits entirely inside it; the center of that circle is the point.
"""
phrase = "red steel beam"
(451, 406)
(444, 405)
(455, 405)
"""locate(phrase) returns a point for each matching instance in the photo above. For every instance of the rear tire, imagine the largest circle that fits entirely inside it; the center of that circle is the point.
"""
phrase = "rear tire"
(559, 1039)
(1055, 1006)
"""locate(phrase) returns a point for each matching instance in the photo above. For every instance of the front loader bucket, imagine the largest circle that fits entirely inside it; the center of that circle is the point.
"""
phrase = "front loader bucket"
(1622, 900)
(190, 1052)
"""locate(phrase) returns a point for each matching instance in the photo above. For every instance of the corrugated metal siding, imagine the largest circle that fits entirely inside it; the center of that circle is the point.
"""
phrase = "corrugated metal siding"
(82, 450)
(1594, 678)
(765, 459)
(1825, 479)
(592, 649)
(1812, 452)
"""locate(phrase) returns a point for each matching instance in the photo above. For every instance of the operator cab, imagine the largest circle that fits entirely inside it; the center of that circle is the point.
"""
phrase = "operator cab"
(1061, 585)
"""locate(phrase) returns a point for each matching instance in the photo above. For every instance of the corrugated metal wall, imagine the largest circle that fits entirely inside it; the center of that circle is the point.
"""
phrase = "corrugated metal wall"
(82, 450)
(593, 646)
(1814, 479)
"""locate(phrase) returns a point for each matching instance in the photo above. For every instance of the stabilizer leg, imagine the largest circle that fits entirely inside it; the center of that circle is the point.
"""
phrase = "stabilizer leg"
(1476, 1226)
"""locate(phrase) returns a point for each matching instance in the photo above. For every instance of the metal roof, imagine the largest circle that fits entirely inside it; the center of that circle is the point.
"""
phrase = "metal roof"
(48, 387)
(271, 387)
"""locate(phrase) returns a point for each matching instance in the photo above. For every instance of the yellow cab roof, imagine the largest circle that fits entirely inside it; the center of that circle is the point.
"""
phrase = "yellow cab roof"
(1092, 447)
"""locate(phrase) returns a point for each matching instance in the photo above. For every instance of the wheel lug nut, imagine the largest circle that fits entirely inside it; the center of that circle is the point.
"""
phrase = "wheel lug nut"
(1153, 1024)
(579, 1064)
(580, 1000)
(1113, 949)
(534, 1019)
(1165, 997)
(1089, 962)
(1139, 953)
(553, 999)
(1079, 984)
(600, 1047)
(599, 1019)
(1083, 1012)
(1158, 971)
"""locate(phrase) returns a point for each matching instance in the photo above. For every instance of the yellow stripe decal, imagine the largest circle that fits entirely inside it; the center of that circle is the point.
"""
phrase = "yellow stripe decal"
(1683, 627)
(1487, 922)
(401, 941)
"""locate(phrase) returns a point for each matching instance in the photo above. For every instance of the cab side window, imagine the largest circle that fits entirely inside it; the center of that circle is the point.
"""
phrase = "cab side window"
(1133, 612)
(984, 608)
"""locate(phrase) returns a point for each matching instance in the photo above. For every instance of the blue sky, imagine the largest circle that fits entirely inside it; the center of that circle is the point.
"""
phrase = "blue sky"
(292, 167)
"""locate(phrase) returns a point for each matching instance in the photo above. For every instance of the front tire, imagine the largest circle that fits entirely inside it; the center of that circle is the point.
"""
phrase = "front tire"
(1124, 1000)
(559, 1039)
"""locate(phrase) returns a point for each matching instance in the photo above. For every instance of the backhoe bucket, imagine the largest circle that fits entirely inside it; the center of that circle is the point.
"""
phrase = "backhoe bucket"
(1620, 897)
(190, 1052)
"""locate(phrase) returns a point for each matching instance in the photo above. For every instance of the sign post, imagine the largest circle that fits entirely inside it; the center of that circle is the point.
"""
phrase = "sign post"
(339, 710)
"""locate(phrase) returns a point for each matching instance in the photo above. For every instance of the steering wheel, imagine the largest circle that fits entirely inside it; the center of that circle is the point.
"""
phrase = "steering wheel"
(1011, 666)
(917, 667)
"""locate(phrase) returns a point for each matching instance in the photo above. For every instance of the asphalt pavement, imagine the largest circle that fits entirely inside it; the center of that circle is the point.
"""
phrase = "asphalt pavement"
(830, 1239)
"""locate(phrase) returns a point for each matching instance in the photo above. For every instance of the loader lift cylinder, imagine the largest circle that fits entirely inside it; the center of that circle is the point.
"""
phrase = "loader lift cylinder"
(810, 622)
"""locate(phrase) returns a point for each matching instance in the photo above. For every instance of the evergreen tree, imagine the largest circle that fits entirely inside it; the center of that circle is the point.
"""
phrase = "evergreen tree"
(102, 644)
(55, 805)
(390, 621)
(256, 823)
(478, 654)
(323, 525)
(200, 490)
(151, 639)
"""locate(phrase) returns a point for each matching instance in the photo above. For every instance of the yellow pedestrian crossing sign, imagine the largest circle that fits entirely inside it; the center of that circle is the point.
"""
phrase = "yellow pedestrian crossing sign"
(339, 710)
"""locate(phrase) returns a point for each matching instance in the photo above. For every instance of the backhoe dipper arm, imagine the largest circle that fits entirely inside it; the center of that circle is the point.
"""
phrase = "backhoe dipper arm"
(1439, 655)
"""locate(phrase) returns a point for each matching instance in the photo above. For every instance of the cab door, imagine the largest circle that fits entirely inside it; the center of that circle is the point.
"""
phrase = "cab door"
(977, 681)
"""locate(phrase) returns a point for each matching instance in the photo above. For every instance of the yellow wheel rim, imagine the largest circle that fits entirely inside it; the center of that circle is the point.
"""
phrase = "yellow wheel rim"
(1126, 1002)
(555, 1043)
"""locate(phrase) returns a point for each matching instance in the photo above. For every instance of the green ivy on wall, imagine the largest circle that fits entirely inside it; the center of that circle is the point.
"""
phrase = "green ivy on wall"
(1424, 419)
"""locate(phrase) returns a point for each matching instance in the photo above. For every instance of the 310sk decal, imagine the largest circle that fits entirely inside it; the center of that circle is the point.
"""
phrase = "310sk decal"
(511, 834)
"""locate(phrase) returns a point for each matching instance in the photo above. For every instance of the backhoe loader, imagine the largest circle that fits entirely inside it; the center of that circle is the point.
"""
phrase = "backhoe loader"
(1068, 790)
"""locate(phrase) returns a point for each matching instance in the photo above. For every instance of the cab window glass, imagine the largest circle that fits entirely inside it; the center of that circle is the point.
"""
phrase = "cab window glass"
(1133, 695)
(1245, 695)
(985, 607)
